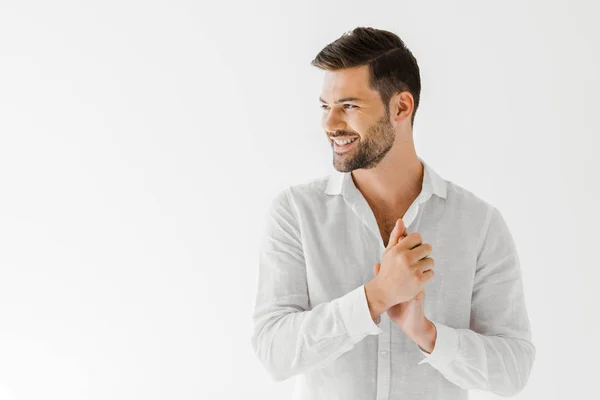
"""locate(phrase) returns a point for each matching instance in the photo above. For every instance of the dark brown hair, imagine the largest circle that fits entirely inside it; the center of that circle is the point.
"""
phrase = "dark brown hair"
(392, 66)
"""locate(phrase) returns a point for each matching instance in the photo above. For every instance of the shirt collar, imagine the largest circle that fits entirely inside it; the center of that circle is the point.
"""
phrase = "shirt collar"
(342, 183)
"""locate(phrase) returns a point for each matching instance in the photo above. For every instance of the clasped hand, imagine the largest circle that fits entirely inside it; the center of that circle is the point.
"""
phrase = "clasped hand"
(408, 315)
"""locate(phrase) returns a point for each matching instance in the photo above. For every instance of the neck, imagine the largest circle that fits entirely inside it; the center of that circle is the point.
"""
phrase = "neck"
(395, 182)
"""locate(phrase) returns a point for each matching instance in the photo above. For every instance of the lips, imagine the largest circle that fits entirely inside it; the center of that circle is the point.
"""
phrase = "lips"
(342, 148)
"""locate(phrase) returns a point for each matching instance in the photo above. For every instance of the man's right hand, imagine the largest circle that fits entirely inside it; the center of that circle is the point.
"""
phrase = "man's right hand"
(405, 268)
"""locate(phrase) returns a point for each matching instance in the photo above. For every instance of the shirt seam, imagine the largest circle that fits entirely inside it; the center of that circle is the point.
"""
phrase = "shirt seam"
(294, 211)
(293, 208)
(485, 235)
(480, 247)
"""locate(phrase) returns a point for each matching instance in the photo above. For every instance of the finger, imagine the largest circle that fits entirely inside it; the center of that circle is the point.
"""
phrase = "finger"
(409, 242)
(391, 243)
(421, 251)
(427, 276)
(405, 233)
(399, 228)
(425, 264)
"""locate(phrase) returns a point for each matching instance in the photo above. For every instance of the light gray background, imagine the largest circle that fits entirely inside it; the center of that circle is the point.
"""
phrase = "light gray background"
(141, 142)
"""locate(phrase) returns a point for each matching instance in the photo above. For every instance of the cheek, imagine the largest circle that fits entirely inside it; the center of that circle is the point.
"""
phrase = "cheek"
(358, 122)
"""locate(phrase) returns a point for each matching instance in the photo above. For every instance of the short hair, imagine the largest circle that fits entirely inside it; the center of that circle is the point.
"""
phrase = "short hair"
(392, 66)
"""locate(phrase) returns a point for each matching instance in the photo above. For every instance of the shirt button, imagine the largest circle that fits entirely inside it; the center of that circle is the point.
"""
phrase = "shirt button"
(383, 354)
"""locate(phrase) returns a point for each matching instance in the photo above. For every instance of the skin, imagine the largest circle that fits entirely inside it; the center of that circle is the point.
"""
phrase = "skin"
(410, 315)
(384, 163)
(385, 168)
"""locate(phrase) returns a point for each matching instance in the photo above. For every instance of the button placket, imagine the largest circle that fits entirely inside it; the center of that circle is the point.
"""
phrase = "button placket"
(383, 362)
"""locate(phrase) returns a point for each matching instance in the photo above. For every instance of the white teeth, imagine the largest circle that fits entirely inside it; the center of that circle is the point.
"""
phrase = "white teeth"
(343, 142)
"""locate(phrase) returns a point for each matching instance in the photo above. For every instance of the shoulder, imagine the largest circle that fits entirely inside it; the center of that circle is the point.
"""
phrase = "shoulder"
(470, 211)
(307, 191)
(302, 195)
(466, 201)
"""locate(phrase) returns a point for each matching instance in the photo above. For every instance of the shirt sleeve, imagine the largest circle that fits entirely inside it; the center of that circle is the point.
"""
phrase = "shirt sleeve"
(288, 337)
(496, 354)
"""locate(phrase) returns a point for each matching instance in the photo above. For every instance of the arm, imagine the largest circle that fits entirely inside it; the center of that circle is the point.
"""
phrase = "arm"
(287, 337)
(496, 354)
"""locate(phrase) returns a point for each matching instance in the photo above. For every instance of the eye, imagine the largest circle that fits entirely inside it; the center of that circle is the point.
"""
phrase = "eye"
(324, 106)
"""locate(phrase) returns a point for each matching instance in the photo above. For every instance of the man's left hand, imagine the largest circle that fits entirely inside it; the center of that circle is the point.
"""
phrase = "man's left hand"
(410, 315)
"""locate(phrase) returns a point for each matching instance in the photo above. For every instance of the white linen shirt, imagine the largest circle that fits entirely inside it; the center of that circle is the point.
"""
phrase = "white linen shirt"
(312, 320)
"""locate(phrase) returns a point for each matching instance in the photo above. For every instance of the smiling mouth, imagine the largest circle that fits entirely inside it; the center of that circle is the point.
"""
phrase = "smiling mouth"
(341, 148)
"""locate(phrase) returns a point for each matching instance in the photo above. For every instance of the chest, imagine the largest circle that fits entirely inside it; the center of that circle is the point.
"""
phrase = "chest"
(339, 257)
(386, 222)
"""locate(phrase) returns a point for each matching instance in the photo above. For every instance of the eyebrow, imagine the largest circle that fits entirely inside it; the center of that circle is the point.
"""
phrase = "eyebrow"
(342, 100)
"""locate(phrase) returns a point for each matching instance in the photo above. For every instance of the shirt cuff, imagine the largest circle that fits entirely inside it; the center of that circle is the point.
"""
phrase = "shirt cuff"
(445, 347)
(355, 313)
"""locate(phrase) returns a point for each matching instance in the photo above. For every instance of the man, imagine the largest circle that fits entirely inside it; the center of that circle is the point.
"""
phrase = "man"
(383, 280)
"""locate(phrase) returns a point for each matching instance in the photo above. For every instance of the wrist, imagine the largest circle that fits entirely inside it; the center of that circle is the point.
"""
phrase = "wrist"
(375, 299)
(426, 336)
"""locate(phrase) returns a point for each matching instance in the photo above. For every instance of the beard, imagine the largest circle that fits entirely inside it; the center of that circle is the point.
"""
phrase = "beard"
(367, 151)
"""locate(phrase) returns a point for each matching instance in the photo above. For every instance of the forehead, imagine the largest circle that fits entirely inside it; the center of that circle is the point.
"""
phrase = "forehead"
(348, 82)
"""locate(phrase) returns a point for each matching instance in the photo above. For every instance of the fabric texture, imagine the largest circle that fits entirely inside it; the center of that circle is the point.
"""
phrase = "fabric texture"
(311, 317)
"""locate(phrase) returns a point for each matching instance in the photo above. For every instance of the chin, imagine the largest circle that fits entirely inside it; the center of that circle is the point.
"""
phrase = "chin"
(342, 168)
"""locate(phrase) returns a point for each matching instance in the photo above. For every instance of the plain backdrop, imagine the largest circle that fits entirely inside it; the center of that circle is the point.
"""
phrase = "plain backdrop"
(142, 141)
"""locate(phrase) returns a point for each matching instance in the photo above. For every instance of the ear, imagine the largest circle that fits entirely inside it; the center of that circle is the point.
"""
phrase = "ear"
(401, 106)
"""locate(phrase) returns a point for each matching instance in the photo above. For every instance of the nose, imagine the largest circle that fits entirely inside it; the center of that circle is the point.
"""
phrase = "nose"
(332, 122)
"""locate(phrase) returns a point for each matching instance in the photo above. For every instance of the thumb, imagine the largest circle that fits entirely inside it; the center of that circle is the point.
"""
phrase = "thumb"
(399, 230)
(376, 268)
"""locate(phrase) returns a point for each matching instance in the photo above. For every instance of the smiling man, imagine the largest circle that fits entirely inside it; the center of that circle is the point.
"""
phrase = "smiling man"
(382, 280)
